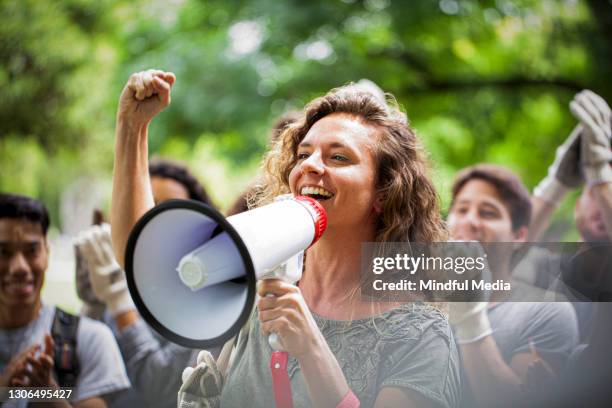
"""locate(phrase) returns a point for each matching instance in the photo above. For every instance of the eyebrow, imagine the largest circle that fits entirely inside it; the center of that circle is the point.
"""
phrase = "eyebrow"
(332, 145)
(464, 201)
(485, 203)
(27, 242)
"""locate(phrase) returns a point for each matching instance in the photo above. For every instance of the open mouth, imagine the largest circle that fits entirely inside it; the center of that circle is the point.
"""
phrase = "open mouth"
(317, 193)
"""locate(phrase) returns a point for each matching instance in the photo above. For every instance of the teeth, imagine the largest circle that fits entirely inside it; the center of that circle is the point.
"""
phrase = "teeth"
(315, 190)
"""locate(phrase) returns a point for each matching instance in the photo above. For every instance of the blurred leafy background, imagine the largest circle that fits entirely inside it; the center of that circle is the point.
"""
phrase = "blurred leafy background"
(481, 81)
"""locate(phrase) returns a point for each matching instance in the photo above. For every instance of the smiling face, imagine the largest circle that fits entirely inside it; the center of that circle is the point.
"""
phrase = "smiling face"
(23, 261)
(479, 214)
(336, 167)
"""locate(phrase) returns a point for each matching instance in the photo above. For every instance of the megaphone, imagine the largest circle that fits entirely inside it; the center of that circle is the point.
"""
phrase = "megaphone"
(192, 272)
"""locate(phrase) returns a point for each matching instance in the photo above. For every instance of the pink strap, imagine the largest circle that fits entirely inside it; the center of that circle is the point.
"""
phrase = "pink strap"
(349, 401)
(280, 379)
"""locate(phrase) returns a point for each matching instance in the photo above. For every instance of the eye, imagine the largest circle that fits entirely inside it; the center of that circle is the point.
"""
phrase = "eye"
(461, 210)
(488, 214)
(4, 252)
(302, 156)
(339, 157)
(32, 250)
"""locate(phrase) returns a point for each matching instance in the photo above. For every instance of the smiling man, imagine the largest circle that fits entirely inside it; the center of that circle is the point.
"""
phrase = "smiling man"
(29, 329)
(501, 340)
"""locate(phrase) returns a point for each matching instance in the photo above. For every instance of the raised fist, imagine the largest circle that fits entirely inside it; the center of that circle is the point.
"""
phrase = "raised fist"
(145, 95)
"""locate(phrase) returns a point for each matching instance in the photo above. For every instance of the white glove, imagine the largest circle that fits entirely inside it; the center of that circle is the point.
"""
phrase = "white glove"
(92, 306)
(565, 172)
(596, 156)
(202, 385)
(470, 319)
(106, 276)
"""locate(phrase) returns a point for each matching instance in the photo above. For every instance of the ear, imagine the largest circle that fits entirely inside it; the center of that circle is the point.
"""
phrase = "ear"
(520, 235)
(378, 203)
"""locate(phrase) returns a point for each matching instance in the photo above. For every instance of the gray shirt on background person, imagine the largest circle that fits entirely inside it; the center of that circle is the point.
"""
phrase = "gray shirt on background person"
(154, 365)
(550, 326)
(543, 267)
(101, 374)
(409, 347)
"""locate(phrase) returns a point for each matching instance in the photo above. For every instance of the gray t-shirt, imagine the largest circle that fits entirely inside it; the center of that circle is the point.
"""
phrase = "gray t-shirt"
(101, 367)
(552, 327)
(154, 365)
(409, 347)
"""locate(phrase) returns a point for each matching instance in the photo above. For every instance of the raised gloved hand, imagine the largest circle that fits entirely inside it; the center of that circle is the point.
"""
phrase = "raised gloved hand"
(469, 318)
(106, 276)
(565, 172)
(92, 306)
(202, 385)
(595, 116)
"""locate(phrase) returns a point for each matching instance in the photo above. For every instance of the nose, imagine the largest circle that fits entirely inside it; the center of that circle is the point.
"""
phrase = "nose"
(465, 225)
(473, 220)
(472, 217)
(313, 164)
(18, 264)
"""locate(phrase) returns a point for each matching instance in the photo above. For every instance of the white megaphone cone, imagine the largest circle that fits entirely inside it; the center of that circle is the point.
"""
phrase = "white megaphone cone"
(272, 234)
(192, 272)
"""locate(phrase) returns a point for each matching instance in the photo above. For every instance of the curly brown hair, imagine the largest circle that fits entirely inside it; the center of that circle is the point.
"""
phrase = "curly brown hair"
(410, 210)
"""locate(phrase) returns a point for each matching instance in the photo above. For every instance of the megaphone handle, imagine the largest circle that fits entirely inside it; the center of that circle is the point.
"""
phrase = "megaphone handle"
(273, 338)
(280, 379)
(274, 342)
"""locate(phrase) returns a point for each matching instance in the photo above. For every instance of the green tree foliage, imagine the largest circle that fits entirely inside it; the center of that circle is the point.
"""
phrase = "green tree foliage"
(480, 80)
(52, 73)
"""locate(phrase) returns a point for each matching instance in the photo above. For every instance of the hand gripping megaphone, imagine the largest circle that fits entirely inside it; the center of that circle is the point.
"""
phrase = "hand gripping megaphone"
(192, 272)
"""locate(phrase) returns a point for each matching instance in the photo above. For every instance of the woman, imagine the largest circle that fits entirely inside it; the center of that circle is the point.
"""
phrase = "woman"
(358, 157)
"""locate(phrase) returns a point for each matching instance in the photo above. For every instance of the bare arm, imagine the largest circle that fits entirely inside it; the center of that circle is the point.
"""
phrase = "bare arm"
(540, 218)
(324, 377)
(287, 315)
(603, 196)
(491, 379)
(145, 95)
(132, 195)
(563, 175)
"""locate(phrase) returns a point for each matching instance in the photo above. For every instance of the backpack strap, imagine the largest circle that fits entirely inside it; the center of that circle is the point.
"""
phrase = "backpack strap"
(64, 333)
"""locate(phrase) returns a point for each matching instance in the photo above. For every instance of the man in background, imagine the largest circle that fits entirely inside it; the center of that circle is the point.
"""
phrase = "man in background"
(501, 339)
(32, 351)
